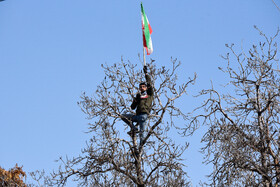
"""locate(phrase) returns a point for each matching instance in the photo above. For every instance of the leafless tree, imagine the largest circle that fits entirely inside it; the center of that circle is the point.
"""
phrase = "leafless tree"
(243, 137)
(111, 157)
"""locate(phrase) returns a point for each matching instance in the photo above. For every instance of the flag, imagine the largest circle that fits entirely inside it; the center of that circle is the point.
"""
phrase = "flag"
(147, 31)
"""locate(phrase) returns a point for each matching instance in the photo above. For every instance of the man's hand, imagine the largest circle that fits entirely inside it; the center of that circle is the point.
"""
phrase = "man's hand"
(145, 69)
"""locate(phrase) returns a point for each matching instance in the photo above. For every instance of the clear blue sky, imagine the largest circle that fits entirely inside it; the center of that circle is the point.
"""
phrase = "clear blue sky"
(51, 52)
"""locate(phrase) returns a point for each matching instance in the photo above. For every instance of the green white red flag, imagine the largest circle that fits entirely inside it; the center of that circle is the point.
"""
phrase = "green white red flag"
(147, 31)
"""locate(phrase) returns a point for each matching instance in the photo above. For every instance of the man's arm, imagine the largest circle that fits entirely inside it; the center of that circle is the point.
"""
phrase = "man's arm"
(134, 102)
(150, 89)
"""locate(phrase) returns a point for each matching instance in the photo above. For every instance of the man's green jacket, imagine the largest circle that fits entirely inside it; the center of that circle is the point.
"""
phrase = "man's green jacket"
(143, 103)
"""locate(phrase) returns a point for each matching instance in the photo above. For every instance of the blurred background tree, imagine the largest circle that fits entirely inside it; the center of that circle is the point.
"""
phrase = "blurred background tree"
(12, 177)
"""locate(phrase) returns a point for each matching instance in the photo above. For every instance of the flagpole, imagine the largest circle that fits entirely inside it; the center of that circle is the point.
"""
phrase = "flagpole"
(144, 56)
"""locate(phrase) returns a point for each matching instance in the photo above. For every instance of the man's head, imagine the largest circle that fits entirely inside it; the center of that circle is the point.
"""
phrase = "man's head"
(142, 87)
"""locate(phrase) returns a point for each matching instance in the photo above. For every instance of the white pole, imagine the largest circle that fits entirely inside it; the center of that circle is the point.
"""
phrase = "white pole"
(144, 56)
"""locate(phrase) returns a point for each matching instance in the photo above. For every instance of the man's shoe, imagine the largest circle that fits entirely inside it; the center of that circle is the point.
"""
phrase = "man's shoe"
(132, 131)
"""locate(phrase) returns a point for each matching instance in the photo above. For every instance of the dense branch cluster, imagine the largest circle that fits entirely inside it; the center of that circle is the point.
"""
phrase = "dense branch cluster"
(12, 177)
(243, 138)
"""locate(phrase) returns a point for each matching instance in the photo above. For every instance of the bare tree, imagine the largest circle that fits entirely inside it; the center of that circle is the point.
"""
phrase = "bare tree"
(111, 157)
(243, 138)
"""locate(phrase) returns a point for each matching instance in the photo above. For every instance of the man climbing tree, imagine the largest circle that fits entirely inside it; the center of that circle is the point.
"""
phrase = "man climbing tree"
(143, 104)
(111, 158)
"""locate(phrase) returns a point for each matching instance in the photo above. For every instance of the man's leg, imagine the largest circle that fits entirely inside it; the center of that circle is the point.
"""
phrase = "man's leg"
(142, 118)
(128, 119)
